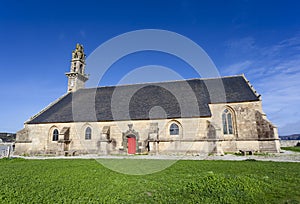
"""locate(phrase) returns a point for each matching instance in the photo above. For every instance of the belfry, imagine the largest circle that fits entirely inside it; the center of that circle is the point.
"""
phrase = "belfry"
(77, 76)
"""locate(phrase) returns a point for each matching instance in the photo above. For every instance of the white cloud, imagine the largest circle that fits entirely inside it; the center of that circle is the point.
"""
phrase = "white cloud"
(275, 73)
(238, 68)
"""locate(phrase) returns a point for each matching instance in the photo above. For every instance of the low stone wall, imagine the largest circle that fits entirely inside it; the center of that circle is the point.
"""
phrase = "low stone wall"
(289, 143)
(6, 149)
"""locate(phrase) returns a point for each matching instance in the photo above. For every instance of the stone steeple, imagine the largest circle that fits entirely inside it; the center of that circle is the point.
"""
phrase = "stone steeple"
(77, 76)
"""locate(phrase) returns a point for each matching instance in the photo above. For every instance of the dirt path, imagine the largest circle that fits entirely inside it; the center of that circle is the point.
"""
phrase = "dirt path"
(286, 156)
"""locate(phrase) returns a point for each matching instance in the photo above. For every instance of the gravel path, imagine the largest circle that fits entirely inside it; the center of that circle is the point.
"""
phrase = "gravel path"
(285, 156)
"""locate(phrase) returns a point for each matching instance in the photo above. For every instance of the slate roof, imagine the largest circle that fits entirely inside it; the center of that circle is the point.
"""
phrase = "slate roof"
(177, 99)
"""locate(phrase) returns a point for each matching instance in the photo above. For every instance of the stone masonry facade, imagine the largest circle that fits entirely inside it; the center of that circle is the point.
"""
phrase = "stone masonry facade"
(196, 135)
(229, 124)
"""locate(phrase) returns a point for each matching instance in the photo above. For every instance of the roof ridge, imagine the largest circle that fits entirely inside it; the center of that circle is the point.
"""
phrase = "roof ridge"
(160, 82)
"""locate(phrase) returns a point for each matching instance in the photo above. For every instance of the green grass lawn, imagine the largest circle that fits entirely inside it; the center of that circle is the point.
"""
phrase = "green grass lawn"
(294, 149)
(83, 181)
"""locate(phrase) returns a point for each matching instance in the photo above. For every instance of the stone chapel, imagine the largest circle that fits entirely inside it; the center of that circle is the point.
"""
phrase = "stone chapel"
(150, 118)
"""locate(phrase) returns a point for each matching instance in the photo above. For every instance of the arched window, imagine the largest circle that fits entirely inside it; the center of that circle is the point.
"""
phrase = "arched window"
(55, 135)
(174, 129)
(227, 122)
(88, 133)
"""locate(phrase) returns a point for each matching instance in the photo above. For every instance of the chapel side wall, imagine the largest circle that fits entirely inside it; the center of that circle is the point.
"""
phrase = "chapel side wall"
(251, 126)
(78, 142)
(192, 134)
(192, 137)
(40, 139)
(197, 135)
(35, 141)
(190, 129)
(244, 118)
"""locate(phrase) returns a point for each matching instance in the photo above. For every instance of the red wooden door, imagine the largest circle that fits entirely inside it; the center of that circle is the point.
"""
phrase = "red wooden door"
(131, 143)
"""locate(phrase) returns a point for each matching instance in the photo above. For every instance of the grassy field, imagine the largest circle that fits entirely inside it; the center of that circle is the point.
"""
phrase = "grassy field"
(294, 149)
(87, 181)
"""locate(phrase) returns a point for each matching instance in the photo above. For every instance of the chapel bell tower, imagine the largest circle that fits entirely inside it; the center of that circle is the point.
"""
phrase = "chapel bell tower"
(77, 76)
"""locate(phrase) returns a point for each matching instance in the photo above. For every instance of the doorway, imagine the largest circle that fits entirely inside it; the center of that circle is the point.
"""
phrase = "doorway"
(131, 145)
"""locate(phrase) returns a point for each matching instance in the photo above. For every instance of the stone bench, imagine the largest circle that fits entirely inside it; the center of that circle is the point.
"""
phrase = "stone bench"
(244, 152)
(71, 153)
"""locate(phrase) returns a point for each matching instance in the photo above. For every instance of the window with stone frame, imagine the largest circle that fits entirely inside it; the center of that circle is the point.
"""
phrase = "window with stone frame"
(174, 129)
(227, 122)
(55, 135)
(88, 133)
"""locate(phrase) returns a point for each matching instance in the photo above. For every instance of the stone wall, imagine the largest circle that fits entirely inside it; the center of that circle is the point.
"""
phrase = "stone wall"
(289, 143)
(6, 149)
(37, 138)
(196, 135)
(252, 130)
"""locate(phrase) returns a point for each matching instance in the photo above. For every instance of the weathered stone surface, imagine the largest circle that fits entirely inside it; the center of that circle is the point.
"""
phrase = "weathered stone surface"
(196, 135)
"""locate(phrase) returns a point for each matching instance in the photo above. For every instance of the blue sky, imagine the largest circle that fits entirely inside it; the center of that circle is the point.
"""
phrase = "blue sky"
(258, 38)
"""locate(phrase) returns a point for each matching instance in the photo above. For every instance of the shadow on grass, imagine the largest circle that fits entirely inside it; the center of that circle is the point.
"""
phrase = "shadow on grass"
(136, 166)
